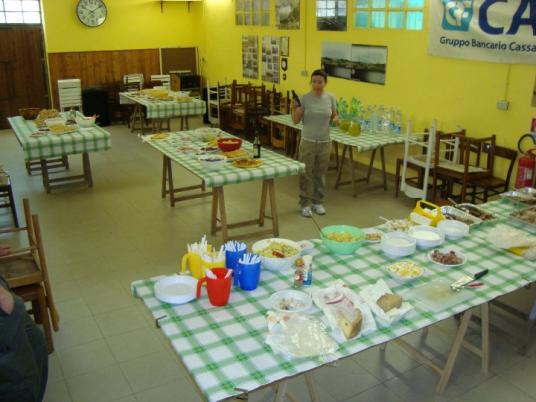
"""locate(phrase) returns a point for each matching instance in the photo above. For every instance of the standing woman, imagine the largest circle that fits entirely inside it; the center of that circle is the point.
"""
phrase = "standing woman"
(316, 108)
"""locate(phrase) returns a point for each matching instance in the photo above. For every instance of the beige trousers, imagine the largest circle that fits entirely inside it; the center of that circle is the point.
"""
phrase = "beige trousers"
(315, 155)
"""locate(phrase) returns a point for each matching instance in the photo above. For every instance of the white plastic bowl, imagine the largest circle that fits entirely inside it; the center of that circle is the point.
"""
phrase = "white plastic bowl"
(453, 229)
(275, 263)
(55, 121)
(404, 279)
(176, 289)
(85, 121)
(398, 244)
(427, 236)
(301, 299)
(212, 162)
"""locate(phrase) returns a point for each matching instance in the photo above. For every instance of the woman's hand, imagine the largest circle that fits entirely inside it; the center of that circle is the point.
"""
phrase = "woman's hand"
(336, 120)
(7, 302)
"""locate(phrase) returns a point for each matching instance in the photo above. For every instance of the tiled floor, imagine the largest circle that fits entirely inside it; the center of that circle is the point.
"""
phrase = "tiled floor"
(99, 240)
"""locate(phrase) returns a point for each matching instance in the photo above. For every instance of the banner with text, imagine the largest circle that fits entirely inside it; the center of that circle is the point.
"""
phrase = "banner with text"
(502, 31)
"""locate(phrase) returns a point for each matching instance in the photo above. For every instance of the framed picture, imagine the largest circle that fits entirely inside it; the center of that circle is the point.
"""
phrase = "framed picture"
(284, 46)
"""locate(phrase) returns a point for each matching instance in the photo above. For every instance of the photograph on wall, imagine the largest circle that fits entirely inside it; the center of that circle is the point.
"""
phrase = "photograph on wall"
(287, 14)
(250, 56)
(284, 46)
(252, 12)
(331, 15)
(355, 62)
(270, 59)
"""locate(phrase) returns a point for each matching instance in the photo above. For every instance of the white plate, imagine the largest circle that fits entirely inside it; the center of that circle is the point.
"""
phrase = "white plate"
(404, 279)
(445, 250)
(301, 298)
(176, 289)
(306, 246)
(373, 230)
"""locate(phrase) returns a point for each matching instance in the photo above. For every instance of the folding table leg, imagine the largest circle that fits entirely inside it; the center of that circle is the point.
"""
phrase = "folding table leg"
(281, 391)
(273, 208)
(44, 174)
(311, 386)
(164, 175)
(262, 209)
(455, 349)
(214, 215)
(371, 164)
(382, 154)
(170, 182)
(88, 177)
(341, 165)
(485, 337)
(223, 213)
(352, 170)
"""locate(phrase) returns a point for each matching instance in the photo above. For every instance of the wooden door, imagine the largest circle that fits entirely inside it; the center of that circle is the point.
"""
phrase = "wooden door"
(23, 80)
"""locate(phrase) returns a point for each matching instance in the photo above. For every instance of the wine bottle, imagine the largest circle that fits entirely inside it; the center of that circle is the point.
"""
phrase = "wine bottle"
(256, 147)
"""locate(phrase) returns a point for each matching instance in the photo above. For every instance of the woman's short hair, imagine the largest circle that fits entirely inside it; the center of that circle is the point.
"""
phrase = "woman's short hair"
(320, 73)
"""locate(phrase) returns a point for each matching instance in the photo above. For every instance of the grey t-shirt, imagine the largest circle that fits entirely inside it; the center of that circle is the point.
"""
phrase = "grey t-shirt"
(317, 111)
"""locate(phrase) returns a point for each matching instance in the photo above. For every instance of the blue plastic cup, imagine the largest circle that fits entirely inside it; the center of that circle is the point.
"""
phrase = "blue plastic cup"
(231, 262)
(249, 275)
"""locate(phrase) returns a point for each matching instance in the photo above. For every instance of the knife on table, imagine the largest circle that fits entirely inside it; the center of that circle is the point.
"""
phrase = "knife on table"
(466, 280)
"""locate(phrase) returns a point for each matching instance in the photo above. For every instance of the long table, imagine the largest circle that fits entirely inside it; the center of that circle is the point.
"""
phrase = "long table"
(362, 143)
(223, 348)
(273, 166)
(160, 110)
(45, 148)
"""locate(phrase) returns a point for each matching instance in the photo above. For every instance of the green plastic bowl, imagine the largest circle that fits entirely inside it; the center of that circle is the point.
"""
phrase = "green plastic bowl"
(338, 247)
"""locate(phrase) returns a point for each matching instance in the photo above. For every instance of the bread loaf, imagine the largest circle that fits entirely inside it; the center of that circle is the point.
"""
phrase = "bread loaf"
(389, 301)
(350, 327)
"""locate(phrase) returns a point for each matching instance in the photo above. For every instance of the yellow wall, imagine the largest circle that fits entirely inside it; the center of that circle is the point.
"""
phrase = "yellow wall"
(131, 24)
(455, 92)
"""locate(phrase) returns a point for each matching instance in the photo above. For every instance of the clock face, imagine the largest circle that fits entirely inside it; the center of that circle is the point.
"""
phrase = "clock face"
(91, 12)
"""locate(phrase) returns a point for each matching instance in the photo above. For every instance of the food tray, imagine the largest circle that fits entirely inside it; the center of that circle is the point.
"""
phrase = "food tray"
(475, 211)
(518, 216)
(524, 195)
(450, 212)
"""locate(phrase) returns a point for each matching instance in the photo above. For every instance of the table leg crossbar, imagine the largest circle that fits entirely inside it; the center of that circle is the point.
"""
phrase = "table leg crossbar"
(48, 182)
(349, 149)
(169, 189)
(219, 214)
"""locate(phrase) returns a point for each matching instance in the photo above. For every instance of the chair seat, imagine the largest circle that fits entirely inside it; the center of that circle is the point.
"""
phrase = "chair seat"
(420, 160)
(20, 271)
(459, 168)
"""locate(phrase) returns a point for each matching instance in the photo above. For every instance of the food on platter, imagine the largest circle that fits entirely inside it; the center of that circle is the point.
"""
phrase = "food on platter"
(247, 163)
(60, 129)
(389, 301)
(446, 258)
(290, 304)
(290, 301)
(278, 250)
(44, 115)
(526, 215)
(405, 269)
(29, 113)
(453, 217)
(401, 225)
(209, 150)
(349, 317)
(342, 237)
(475, 211)
(185, 149)
(182, 99)
(524, 196)
(238, 154)
(228, 141)
(159, 136)
(373, 236)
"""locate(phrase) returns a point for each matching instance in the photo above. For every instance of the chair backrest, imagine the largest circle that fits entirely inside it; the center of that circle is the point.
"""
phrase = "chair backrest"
(504, 153)
(134, 79)
(70, 93)
(165, 79)
(239, 93)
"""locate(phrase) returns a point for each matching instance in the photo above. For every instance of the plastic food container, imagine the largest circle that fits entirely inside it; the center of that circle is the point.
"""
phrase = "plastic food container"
(85, 121)
(229, 144)
(453, 229)
(405, 271)
(277, 263)
(398, 244)
(56, 121)
(342, 247)
(427, 236)
(212, 162)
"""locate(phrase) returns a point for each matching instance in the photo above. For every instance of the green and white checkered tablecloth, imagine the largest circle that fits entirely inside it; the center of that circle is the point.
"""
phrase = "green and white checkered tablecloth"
(363, 142)
(160, 109)
(273, 164)
(223, 348)
(90, 139)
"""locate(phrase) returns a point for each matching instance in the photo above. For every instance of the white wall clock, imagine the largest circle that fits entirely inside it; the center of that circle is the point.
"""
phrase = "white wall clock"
(91, 12)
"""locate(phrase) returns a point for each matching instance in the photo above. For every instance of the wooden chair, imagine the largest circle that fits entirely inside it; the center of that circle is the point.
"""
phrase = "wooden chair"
(488, 186)
(6, 193)
(466, 168)
(25, 270)
(279, 134)
(217, 96)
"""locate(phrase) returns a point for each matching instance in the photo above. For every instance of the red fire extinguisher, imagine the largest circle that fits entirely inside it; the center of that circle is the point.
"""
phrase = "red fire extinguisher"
(525, 169)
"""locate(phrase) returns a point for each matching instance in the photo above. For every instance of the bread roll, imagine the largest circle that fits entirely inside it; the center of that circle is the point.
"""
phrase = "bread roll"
(389, 301)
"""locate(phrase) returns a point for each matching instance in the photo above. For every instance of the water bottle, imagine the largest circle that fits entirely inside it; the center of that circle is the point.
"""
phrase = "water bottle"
(387, 119)
(398, 122)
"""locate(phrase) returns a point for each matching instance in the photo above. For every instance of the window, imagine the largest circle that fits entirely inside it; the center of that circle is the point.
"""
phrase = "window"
(391, 14)
(20, 12)
(331, 15)
(252, 12)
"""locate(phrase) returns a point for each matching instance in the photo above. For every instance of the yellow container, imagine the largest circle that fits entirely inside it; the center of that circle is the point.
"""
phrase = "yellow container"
(192, 262)
(344, 125)
(432, 213)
